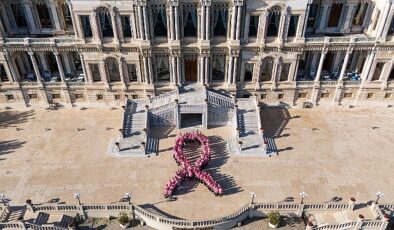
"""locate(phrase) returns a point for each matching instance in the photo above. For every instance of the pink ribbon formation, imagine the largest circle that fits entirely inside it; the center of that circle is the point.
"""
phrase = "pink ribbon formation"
(187, 170)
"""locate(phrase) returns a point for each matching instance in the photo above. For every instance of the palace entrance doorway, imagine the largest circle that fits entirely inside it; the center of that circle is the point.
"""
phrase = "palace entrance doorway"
(191, 70)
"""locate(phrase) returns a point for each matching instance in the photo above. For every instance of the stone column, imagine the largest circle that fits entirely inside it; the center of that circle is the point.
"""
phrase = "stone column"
(233, 22)
(321, 61)
(239, 19)
(30, 18)
(145, 14)
(202, 69)
(3, 32)
(282, 22)
(207, 20)
(367, 67)
(150, 71)
(146, 73)
(171, 69)
(73, 19)
(6, 20)
(177, 32)
(43, 60)
(387, 73)
(323, 18)
(263, 31)
(35, 66)
(294, 69)
(230, 70)
(304, 21)
(207, 70)
(349, 17)
(171, 23)
(88, 77)
(235, 70)
(203, 23)
(121, 71)
(140, 23)
(178, 69)
(114, 27)
(256, 71)
(383, 18)
(59, 65)
(275, 67)
(95, 27)
(55, 16)
(344, 64)
(10, 65)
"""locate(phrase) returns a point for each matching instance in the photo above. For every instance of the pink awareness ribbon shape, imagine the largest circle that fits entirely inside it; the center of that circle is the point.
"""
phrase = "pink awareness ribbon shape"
(187, 170)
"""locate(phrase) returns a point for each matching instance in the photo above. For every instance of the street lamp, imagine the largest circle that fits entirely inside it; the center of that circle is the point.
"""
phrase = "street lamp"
(303, 195)
(378, 196)
(128, 197)
(252, 196)
(77, 196)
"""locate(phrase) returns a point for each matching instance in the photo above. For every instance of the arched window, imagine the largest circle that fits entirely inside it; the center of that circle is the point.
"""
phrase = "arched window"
(105, 22)
(273, 22)
(266, 69)
(218, 68)
(113, 69)
(190, 23)
(220, 22)
(160, 22)
(163, 74)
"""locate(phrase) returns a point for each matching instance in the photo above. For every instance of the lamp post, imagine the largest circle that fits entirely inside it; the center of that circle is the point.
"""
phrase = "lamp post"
(252, 196)
(378, 196)
(128, 197)
(77, 196)
(303, 195)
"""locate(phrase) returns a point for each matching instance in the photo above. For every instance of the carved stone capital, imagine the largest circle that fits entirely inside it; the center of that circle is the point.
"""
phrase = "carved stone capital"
(234, 53)
(206, 2)
(173, 2)
(146, 53)
(140, 2)
(205, 53)
(175, 53)
(238, 2)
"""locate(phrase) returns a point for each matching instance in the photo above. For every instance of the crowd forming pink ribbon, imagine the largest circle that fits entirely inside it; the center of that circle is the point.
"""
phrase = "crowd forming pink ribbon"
(188, 170)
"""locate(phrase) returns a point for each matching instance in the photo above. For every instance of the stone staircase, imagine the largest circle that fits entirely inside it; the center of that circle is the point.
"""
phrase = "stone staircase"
(13, 213)
(247, 117)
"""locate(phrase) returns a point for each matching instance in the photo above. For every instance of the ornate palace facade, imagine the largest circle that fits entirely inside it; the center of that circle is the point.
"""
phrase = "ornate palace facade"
(98, 53)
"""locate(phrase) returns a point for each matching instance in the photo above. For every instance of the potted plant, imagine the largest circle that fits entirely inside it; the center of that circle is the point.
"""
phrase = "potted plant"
(124, 220)
(273, 219)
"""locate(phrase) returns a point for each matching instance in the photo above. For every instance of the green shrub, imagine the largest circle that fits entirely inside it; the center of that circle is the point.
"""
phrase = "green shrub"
(123, 218)
(274, 217)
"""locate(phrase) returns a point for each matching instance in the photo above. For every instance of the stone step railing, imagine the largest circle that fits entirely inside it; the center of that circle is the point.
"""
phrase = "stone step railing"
(220, 100)
(164, 98)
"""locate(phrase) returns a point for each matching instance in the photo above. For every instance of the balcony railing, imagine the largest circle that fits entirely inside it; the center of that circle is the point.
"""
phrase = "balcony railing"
(305, 83)
(351, 82)
(70, 83)
(328, 82)
(53, 83)
(28, 83)
(339, 39)
(40, 40)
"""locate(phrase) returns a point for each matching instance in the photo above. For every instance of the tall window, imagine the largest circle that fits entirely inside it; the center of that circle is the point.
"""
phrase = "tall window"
(132, 71)
(273, 26)
(160, 22)
(67, 15)
(43, 14)
(335, 15)
(220, 22)
(391, 28)
(126, 26)
(3, 75)
(190, 23)
(284, 74)
(87, 29)
(293, 26)
(360, 14)
(163, 73)
(218, 64)
(19, 15)
(95, 69)
(266, 69)
(113, 70)
(248, 72)
(313, 8)
(253, 26)
(105, 24)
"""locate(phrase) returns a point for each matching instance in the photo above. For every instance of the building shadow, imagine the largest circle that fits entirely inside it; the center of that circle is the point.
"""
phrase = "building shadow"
(9, 118)
(274, 120)
(7, 147)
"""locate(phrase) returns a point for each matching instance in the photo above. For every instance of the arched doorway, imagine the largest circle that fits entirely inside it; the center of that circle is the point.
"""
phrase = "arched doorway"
(112, 69)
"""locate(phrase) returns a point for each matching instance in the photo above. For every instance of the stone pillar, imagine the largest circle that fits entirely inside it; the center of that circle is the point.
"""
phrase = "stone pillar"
(319, 69)
(35, 66)
(88, 77)
(171, 66)
(387, 73)
(150, 71)
(95, 27)
(282, 22)
(349, 18)
(28, 5)
(121, 71)
(207, 20)
(146, 72)
(230, 70)
(344, 64)
(66, 62)
(304, 21)
(323, 18)
(59, 65)
(140, 23)
(146, 20)
(178, 69)
(256, 71)
(207, 67)
(3, 32)
(233, 22)
(10, 65)
(367, 67)
(203, 23)
(177, 32)
(239, 19)
(294, 69)
(114, 27)
(171, 23)
(55, 15)
(74, 19)
(6, 20)
(264, 25)
(383, 19)
(235, 70)
(43, 61)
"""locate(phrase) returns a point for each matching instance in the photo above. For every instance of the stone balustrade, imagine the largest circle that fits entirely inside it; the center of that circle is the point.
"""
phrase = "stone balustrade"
(340, 39)
(219, 99)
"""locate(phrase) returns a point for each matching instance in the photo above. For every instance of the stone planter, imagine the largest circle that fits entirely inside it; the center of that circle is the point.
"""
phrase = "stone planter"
(124, 226)
(272, 225)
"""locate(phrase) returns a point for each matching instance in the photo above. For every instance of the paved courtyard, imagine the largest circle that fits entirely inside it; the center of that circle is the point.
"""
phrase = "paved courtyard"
(326, 152)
